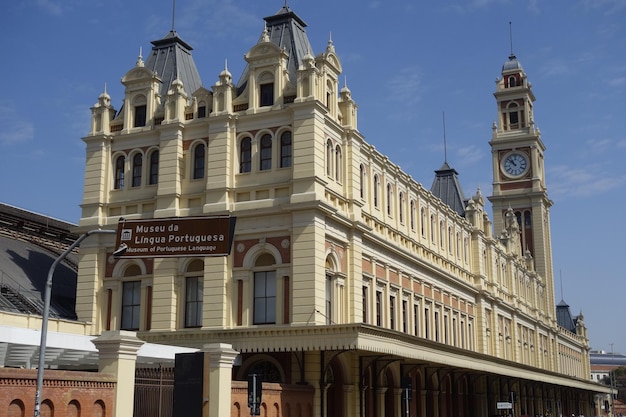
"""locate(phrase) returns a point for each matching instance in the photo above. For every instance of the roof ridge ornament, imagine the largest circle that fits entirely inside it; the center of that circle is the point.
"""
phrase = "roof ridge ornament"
(265, 37)
(139, 62)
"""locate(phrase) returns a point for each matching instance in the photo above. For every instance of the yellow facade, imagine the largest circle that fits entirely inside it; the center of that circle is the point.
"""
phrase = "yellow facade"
(345, 273)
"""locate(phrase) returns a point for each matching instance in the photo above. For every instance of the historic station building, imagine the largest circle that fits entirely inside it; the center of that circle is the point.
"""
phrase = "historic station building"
(348, 280)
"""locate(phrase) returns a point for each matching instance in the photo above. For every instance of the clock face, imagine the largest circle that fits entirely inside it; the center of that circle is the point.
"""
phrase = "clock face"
(515, 164)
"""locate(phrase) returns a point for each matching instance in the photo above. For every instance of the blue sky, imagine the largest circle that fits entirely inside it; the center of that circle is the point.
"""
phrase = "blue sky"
(406, 63)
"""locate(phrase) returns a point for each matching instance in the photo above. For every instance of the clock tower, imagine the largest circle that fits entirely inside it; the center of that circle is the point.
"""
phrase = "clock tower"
(518, 168)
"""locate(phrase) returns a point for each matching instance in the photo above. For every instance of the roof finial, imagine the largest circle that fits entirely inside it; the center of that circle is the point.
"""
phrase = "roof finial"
(511, 37)
(105, 87)
(445, 146)
(173, 13)
(139, 62)
(226, 64)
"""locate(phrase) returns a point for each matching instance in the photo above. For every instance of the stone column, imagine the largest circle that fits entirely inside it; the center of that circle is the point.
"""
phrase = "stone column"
(221, 357)
(118, 356)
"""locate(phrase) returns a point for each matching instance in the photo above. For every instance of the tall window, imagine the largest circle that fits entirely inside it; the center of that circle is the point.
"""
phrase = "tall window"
(376, 190)
(285, 150)
(338, 163)
(266, 153)
(392, 312)
(140, 116)
(265, 297)
(412, 215)
(389, 198)
(329, 299)
(379, 308)
(267, 94)
(405, 316)
(193, 302)
(245, 155)
(119, 173)
(199, 157)
(401, 207)
(153, 178)
(329, 158)
(362, 181)
(131, 301)
(364, 301)
(416, 319)
(137, 168)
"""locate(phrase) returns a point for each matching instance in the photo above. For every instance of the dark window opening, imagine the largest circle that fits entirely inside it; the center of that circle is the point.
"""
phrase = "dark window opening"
(267, 94)
(140, 116)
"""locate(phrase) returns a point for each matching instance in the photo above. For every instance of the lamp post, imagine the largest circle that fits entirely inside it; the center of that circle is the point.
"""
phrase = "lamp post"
(46, 312)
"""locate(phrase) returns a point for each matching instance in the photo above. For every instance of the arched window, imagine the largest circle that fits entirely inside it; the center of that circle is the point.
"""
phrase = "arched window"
(389, 199)
(285, 150)
(401, 207)
(329, 158)
(362, 181)
(442, 234)
(433, 228)
(265, 162)
(513, 115)
(120, 162)
(137, 168)
(193, 294)
(201, 109)
(245, 155)
(412, 214)
(199, 158)
(264, 291)
(153, 178)
(338, 163)
(376, 189)
(512, 81)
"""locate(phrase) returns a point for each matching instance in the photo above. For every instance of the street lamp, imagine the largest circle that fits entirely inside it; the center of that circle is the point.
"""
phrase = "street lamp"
(46, 311)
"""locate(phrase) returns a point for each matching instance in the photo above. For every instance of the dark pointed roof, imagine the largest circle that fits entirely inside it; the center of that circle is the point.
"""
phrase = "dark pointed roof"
(286, 30)
(447, 187)
(564, 317)
(171, 58)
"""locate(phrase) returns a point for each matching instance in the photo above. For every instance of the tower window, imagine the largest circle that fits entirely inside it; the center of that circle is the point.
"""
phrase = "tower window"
(267, 94)
(193, 302)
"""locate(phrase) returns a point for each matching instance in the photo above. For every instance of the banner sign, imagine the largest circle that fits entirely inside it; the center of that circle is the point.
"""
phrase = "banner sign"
(175, 237)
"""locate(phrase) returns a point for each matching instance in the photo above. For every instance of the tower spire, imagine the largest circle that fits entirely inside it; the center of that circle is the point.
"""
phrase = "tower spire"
(511, 37)
(445, 146)
(173, 13)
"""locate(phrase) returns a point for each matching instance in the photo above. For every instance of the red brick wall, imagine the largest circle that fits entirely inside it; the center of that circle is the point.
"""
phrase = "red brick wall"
(66, 392)
(277, 400)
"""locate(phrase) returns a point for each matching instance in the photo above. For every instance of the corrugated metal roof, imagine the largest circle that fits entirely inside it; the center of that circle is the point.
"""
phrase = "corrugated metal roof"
(446, 186)
(171, 59)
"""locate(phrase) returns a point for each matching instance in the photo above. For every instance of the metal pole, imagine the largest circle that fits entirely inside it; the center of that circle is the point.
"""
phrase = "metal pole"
(46, 313)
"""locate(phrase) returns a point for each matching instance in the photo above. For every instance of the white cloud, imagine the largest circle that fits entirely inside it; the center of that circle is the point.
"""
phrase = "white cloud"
(14, 129)
(585, 181)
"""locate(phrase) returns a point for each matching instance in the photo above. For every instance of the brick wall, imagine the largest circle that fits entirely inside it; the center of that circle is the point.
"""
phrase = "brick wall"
(277, 400)
(68, 393)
